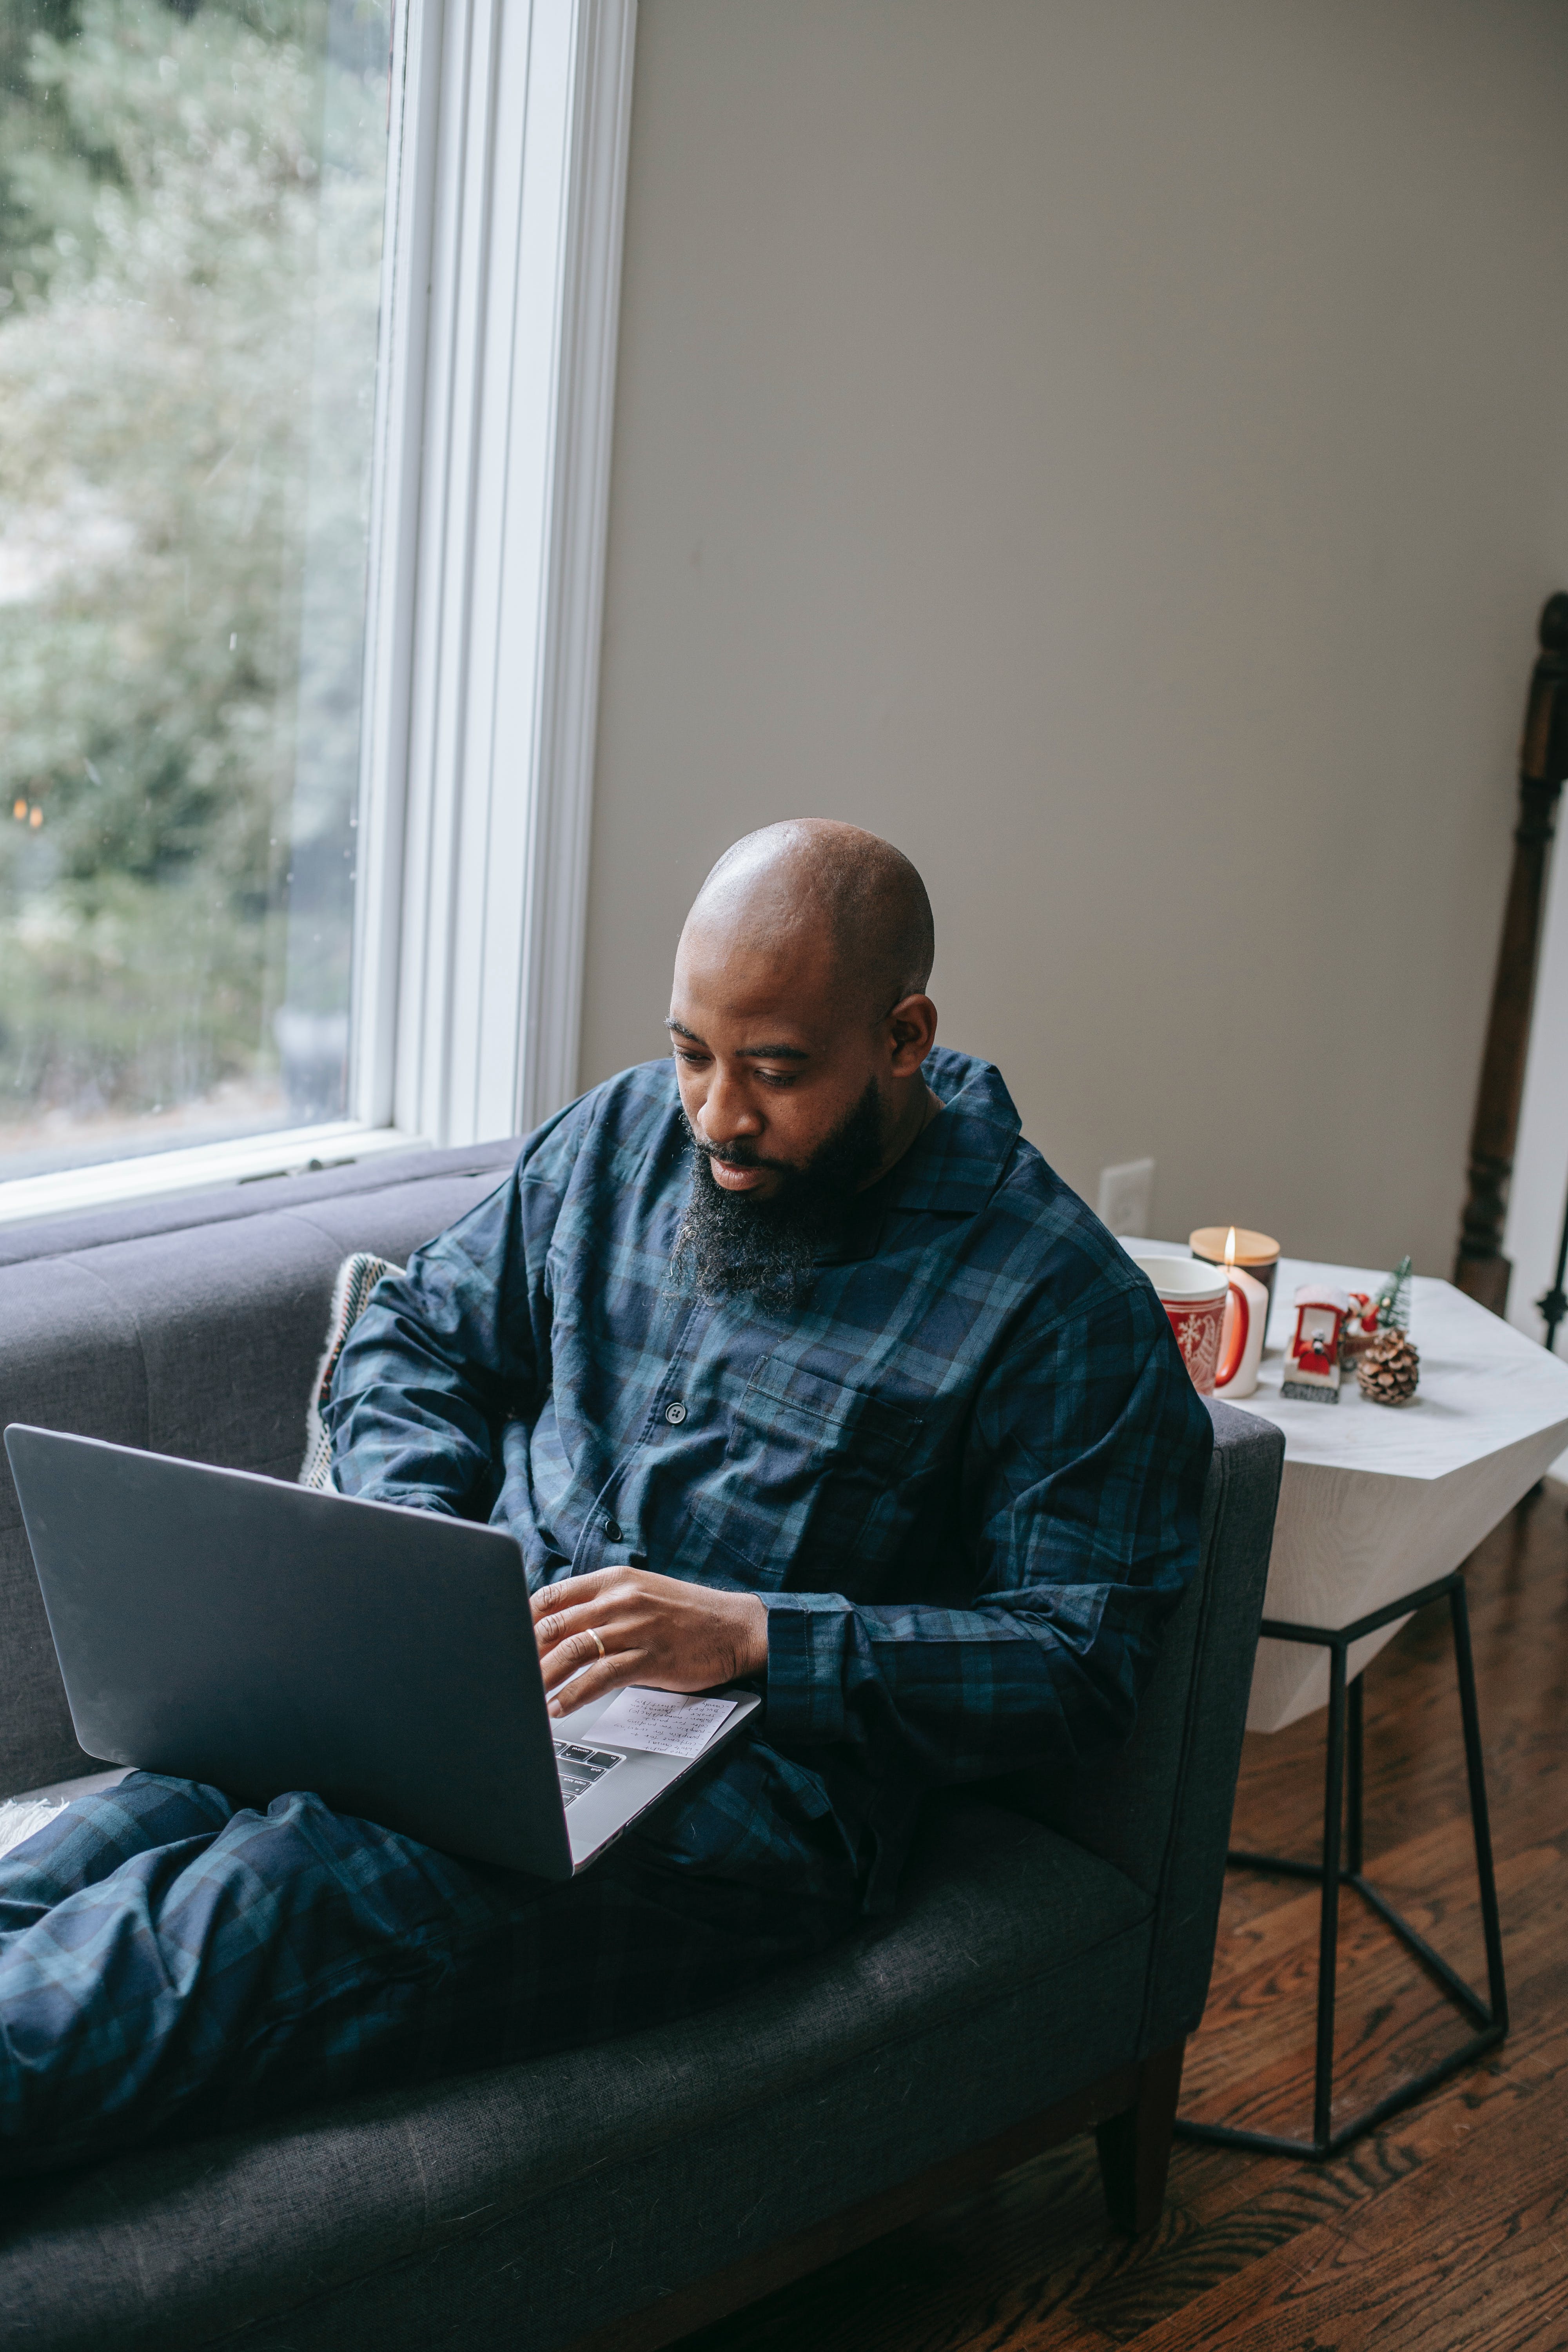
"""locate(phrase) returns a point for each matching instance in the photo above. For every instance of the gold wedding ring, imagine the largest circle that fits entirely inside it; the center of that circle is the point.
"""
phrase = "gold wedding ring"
(597, 1643)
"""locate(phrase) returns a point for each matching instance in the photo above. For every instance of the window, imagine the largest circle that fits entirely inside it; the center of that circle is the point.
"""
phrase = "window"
(191, 274)
(307, 315)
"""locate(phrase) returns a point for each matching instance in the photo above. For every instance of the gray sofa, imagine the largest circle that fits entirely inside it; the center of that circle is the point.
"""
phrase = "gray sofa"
(1051, 1953)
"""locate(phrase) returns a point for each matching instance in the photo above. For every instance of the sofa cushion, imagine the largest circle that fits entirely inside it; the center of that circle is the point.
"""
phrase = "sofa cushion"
(1005, 1982)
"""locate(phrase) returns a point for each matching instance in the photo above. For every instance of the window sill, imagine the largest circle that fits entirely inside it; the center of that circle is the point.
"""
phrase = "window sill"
(249, 1158)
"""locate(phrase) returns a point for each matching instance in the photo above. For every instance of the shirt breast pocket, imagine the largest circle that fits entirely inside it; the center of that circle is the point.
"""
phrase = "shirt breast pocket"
(807, 1462)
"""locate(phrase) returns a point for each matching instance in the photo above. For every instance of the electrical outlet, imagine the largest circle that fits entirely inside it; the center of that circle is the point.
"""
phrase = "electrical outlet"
(1126, 1201)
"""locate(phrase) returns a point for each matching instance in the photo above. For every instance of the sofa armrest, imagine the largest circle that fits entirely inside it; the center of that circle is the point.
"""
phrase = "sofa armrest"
(1239, 1505)
(1160, 1809)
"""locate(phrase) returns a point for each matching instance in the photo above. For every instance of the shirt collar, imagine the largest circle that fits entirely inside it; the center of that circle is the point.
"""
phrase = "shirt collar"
(953, 1166)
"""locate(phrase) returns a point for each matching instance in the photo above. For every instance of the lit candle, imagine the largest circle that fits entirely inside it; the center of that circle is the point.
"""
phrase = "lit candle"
(1257, 1252)
(1246, 1319)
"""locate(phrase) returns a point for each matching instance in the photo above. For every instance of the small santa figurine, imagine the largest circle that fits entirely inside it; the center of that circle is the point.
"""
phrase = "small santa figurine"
(1312, 1357)
(1361, 1327)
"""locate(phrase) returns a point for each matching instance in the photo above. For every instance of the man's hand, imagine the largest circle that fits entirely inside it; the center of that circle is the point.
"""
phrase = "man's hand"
(653, 1630)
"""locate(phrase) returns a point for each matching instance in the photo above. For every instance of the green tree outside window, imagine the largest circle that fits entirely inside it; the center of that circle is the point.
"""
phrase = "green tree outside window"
(191, 208)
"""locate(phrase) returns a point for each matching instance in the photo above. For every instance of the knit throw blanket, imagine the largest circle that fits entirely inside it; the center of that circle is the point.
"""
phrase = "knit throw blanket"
(357, 1277)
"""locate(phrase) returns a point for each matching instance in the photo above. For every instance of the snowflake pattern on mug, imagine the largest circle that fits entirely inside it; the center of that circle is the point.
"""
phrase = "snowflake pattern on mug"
(1198, 1325)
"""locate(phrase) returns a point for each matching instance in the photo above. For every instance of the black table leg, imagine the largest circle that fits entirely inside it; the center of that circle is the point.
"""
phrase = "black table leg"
(1355, 1774)
(1344, 1863)
(1481, 1822)
(1329, 1919)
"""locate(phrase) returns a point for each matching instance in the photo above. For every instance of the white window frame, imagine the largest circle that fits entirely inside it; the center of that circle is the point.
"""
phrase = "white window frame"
(501, 296)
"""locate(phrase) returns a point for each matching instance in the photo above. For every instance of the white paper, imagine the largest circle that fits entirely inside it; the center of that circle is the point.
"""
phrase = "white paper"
(667, 1723)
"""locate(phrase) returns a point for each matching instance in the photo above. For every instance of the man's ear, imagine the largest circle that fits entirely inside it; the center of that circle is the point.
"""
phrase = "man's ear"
(911, 1030)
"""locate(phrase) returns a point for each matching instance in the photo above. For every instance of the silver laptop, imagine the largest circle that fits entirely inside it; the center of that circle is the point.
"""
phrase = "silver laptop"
(263, 1637)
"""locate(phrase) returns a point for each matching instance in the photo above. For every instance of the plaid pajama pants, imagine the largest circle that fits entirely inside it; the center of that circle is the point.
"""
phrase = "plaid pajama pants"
(171, 1963)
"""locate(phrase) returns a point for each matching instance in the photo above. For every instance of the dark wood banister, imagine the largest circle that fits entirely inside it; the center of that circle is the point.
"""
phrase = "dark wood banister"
(1480, 1268)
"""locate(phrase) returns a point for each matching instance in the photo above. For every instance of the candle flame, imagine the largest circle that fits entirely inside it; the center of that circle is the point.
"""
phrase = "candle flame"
(1230, 1249)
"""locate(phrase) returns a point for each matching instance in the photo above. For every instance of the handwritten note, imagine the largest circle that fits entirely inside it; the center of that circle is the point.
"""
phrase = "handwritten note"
(665, 1723)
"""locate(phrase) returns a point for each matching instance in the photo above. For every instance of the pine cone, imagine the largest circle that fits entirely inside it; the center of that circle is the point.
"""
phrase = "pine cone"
(1389, 1369)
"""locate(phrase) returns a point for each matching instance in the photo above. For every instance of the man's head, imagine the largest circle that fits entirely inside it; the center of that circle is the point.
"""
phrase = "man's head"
(799, 1023)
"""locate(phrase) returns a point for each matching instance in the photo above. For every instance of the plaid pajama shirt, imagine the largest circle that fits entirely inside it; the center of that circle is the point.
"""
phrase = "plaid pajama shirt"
(964, 1478)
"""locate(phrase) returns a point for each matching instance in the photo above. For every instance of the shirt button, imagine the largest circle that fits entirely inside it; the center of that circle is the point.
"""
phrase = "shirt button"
(613, 1529)
(675, 1414)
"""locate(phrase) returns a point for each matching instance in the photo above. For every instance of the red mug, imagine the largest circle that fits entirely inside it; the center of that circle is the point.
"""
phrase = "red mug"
(1209, 1314)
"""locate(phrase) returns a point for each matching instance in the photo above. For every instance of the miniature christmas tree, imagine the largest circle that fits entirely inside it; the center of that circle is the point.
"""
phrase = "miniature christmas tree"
(1393, 1301)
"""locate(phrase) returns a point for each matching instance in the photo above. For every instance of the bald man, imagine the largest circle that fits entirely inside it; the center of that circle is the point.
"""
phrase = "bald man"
(785, 1359)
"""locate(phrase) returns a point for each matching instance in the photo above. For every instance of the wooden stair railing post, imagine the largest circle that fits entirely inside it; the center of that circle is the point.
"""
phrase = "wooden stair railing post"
(1480, 1268)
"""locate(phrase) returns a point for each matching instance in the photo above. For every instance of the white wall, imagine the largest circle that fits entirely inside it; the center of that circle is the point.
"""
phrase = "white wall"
(1114, 448)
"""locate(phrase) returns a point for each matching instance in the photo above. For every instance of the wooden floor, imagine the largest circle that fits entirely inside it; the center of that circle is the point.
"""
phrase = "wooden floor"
(1447, 2228)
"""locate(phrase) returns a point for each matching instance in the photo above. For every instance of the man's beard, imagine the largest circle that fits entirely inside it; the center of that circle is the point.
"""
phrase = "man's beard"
(733, 1243)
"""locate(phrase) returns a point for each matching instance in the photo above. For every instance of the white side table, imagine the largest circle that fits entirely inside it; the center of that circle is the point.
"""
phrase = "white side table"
(1377, 1500)
(1379, 1508)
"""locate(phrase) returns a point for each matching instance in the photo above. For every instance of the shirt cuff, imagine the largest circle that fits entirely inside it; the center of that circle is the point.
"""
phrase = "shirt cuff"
(806, 1664)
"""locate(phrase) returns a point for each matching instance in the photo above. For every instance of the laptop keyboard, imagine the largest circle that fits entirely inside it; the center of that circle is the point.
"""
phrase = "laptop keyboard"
(580, 1767)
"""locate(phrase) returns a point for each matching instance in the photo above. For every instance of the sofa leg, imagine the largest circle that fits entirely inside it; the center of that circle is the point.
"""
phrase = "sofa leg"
(1135, 2146)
